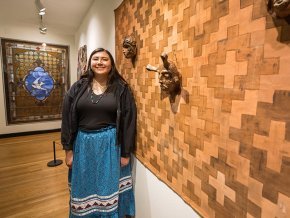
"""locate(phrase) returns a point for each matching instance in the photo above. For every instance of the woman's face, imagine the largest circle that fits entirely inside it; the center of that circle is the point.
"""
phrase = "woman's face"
(101, 63)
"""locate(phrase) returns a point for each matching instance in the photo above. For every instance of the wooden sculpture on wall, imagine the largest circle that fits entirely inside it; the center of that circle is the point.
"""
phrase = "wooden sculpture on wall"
(169, 78)
(279, 8)
(130, 48)
(82, 61)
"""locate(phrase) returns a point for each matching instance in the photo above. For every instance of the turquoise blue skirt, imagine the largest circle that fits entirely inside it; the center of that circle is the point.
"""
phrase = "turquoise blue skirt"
(99, 186)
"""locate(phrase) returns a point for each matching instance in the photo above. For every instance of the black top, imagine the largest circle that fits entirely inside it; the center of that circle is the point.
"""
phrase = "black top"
(126, 125)
(96, 111)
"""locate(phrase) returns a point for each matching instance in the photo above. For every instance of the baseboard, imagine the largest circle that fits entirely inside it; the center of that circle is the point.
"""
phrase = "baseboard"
(28, 133)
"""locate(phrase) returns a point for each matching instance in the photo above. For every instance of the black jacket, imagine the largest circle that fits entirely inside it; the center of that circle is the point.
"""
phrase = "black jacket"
(125, 123)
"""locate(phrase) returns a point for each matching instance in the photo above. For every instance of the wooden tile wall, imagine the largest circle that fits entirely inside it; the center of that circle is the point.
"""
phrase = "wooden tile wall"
(224, 145)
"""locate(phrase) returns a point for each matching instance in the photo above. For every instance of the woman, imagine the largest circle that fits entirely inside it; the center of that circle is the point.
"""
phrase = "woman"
(98, 134)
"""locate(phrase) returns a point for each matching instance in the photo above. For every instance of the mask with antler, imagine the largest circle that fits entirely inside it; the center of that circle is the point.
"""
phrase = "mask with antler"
(279, 8)
(169, 78)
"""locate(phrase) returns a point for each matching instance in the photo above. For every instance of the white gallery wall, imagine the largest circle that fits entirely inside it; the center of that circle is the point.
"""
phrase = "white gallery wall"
(98, 27)
(28, 32)
(153, 198)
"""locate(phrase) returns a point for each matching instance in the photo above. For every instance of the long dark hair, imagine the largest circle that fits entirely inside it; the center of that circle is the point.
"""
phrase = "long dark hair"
(114, 74)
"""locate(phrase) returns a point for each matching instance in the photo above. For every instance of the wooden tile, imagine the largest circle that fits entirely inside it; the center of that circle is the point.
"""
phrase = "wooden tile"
(225, 147)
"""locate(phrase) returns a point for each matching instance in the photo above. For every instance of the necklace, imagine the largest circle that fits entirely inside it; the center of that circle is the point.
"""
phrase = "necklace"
(99, 86)
(100, 96)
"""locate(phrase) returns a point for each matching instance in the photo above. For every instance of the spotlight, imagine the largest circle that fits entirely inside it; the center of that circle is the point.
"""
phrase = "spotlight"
(42, 27)
(40, 7)
(43, 30)
(41, 13)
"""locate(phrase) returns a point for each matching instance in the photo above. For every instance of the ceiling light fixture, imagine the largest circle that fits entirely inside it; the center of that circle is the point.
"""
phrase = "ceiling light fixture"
(42, 27)
(40, 7)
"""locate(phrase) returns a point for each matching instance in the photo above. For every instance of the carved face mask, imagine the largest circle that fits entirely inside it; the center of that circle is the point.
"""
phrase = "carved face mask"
(169, 78)
(168, 82)
(129, 47)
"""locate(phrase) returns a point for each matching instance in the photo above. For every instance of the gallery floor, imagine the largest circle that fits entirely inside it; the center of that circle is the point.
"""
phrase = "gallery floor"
(28, 188)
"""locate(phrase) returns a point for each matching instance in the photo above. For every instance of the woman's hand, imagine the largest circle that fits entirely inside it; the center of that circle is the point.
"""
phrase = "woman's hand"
(125, 161)
(69, 158)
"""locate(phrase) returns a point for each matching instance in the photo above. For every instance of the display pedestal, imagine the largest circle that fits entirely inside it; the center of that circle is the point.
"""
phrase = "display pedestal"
(54, 162)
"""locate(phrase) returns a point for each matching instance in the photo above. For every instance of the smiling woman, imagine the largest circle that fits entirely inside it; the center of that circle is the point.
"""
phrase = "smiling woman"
(98, 134)
(101, 66)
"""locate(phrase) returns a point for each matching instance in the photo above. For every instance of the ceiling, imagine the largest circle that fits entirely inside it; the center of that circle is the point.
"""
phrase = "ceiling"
(61, 15)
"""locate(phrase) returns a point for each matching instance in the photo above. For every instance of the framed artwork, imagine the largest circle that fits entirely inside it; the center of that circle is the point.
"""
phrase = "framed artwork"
(36, 77)
(82, 60)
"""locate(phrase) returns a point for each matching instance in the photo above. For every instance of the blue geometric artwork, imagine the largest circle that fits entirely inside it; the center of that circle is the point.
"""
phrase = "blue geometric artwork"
(39, 83)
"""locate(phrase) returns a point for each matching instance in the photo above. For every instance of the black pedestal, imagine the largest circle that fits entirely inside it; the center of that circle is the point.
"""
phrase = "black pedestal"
(54, 162)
